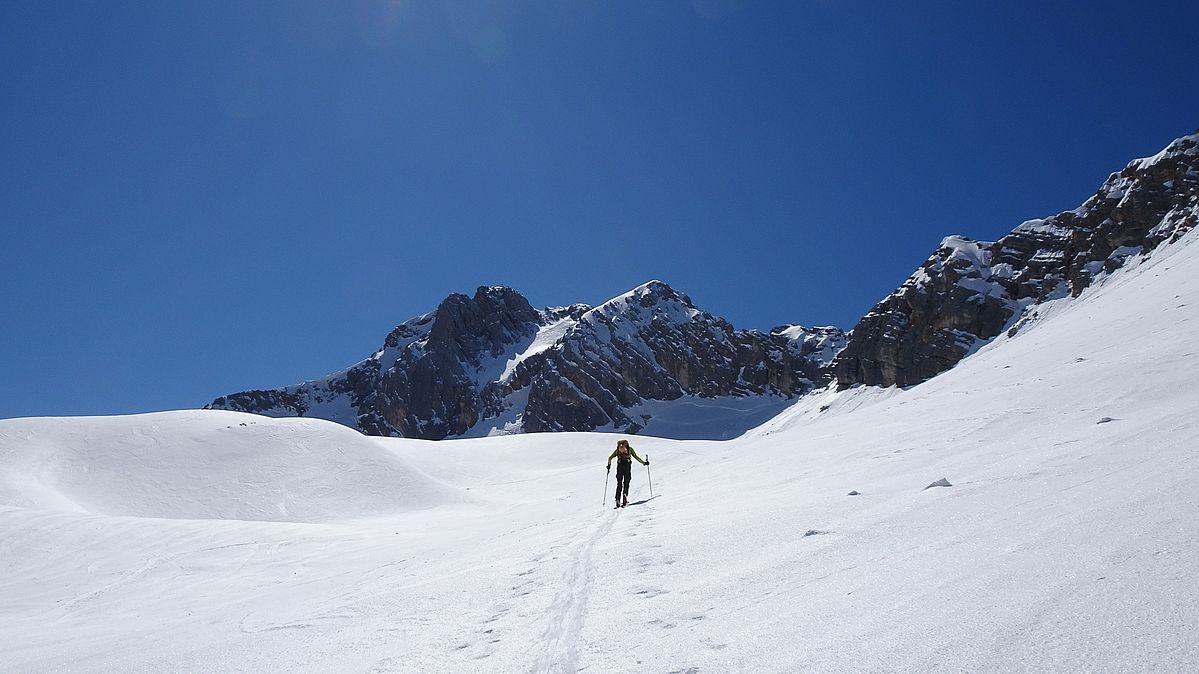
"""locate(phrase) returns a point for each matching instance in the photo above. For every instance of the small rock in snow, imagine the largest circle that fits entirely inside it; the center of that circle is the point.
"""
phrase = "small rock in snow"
(855, 493)
(1105, 420)
(814, 532)
(943, 482)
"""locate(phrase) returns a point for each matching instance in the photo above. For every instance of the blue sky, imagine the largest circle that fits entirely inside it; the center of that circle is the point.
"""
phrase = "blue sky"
(206, 197)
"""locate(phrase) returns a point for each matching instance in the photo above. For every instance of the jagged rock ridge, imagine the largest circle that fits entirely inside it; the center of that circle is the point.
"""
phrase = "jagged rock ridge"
(493, 362)
(969, 292)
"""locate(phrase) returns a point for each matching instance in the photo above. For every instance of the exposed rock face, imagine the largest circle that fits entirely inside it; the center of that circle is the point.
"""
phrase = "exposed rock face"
(494, 361)
(969, 292)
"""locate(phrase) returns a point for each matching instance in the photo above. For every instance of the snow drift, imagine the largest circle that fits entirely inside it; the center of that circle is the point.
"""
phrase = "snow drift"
(206, 465)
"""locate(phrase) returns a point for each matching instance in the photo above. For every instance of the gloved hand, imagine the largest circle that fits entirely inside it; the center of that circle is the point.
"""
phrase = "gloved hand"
(647, 462)
(609, 468)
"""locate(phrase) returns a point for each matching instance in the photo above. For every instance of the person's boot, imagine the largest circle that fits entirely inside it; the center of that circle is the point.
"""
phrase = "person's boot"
(626, 502)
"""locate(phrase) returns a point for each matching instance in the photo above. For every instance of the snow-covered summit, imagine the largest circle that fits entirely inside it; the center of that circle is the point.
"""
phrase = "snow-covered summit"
(648, 302)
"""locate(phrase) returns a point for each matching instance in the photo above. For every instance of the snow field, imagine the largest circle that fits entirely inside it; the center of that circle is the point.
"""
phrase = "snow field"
(1066, 543)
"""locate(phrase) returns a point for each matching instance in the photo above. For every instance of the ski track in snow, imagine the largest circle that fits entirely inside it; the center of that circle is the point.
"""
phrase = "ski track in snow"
(569, 610)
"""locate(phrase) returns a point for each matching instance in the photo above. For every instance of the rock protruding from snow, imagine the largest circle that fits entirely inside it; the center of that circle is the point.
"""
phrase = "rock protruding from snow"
(969, 292)
(943, 482)
(493, 364)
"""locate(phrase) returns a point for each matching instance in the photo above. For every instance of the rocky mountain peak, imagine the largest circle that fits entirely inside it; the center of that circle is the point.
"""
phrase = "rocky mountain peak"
(492, 362)
(655, 292)
(494, 318)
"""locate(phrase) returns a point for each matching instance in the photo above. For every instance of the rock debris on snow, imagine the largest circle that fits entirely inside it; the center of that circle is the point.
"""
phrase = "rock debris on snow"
(943, 482)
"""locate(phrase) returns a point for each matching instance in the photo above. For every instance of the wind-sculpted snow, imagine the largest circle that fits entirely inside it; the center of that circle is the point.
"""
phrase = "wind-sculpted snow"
(206, 465)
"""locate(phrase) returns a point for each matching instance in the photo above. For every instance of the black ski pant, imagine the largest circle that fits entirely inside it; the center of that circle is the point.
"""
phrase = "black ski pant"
(624, 474)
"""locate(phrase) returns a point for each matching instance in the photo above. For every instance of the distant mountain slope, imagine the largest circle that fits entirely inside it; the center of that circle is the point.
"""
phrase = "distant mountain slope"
(493, 364)
(970, 291)
(650, 361)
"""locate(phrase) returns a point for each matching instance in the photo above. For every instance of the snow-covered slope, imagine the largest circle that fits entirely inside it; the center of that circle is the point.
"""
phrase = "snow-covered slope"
(1066, 542)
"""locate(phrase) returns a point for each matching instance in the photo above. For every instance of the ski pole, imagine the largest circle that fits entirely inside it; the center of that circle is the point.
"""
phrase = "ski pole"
(649, 477)
(606, 485)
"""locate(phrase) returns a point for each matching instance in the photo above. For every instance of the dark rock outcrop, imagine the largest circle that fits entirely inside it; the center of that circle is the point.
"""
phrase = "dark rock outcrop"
(423, 382)
(969, 292)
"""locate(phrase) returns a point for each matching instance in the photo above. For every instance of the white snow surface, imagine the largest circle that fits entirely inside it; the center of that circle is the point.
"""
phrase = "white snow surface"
(691, 417)
(1043, 226)
(969, 250)
(207, 464)
(1065, 543)
(1181, 146)
(546, 337)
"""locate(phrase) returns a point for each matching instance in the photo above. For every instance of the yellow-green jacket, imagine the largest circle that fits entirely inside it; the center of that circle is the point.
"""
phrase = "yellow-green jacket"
(632, 453)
